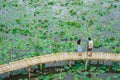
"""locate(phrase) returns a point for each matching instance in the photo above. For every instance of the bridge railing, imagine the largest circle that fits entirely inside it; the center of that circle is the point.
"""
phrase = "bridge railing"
(57, 57)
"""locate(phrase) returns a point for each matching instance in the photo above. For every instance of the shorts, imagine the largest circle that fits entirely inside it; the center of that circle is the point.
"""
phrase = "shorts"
(89, 49)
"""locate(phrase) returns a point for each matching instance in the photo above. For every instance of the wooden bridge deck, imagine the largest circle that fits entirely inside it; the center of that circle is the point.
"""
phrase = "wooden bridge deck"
(56, 57)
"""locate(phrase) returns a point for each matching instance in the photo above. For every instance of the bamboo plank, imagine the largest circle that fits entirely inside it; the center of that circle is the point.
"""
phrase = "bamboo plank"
(4, 68)
(1, 71)
(14, 66)
(23, 64)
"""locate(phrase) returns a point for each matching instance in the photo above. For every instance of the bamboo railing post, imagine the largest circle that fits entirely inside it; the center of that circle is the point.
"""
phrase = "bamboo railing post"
(29, 72)
(89, 62)
(41, 66)
(55, 63)
(86, 63)
(69, 63)
(9, 75)
(103, 62)
(98, 63)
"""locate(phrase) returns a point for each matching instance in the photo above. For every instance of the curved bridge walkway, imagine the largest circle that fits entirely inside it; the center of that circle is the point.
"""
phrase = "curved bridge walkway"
(26, 63)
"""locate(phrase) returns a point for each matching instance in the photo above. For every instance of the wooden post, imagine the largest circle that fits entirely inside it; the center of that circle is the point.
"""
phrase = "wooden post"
(89, 62)
(86, 63)
(29, 72)
(98, 63)
(103, 62)
(41, 66)
(69, 63)
(55, 63)
(10, 75)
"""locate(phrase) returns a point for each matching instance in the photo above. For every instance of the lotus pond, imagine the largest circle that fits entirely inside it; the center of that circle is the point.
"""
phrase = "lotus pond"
(31, 28)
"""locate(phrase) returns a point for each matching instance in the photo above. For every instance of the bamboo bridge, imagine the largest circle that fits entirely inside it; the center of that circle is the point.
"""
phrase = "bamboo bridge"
(57, 58)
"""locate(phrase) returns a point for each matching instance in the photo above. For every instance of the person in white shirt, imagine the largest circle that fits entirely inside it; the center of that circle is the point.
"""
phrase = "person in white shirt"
(90, 46)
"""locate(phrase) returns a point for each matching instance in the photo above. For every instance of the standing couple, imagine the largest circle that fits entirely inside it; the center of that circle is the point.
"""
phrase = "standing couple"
(89, 46)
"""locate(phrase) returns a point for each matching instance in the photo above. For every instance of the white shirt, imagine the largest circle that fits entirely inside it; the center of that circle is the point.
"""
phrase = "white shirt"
(90, 44)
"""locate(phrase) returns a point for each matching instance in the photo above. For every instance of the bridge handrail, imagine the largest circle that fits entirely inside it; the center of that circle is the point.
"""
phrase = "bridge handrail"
(57, 57)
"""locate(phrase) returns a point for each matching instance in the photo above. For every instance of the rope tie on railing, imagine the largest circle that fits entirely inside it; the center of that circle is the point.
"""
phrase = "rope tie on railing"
(7, 67)
(1, 69)
(72, 57)
(57, 58)
(69, 56)
(17, 64)
(39, 60)
(60, 57)
(26, 62)
(66, 56)
(12, 66)
(118, 57)
(86, 56)
(36, 60)
(49, 58)
(101, 55)
(106, 56)
(54, 58)
(33, 61)
(93, 55)
(21, 63)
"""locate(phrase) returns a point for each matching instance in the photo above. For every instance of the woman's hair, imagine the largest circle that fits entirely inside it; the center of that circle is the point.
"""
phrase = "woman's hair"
(89, 38)
(79, 41)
